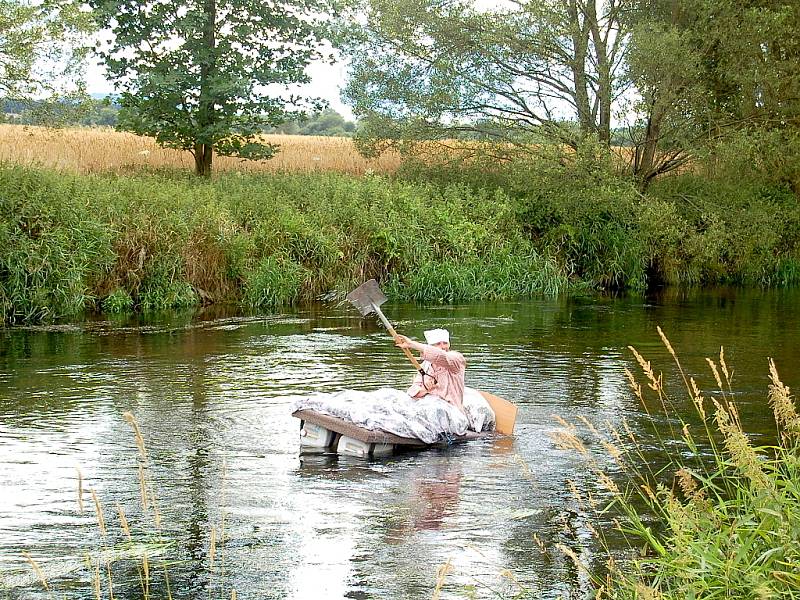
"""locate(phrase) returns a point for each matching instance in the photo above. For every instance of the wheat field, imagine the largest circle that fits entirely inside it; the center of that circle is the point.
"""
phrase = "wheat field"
(103, 150)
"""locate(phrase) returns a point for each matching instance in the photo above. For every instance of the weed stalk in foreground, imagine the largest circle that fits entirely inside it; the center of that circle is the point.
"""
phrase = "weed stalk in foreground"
(719, 520)
(143, 542)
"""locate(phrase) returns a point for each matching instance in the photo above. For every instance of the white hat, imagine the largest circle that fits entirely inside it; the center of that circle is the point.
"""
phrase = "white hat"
(434, 336)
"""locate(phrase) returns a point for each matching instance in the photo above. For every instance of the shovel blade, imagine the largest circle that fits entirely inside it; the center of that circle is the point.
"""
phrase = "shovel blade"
(366, 297)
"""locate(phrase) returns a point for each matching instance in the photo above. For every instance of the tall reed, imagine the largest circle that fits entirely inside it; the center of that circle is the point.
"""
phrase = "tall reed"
(718, 518)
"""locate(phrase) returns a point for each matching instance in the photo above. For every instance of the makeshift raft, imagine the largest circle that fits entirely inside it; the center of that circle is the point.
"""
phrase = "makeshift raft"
(324, 433)
(321, 433)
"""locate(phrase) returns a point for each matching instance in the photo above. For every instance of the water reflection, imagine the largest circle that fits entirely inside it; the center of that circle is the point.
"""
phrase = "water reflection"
(433, 497)
(212, 394)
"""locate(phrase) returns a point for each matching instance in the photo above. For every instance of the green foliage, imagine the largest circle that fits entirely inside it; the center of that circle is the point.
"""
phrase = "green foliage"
(719, 519)
(263, 240)
(503, 276)
(41, 43)
(764, 155)
(118, 301)
(572, 206)
(273, 281)
(427, 70)
(735, 220)
(521, 74)
(513, 229)
(705, 69)
(584, 214)
(61, 110)
(53, 248)
(193, 79)
(163, 287)
(720, 230)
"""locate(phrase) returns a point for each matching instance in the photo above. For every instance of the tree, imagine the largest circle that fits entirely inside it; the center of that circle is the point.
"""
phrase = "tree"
(195, 75)
(428, 69)
(705, 69)
(41, 46)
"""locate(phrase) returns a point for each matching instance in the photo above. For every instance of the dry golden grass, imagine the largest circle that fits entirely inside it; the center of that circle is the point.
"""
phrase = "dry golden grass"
(103, 150)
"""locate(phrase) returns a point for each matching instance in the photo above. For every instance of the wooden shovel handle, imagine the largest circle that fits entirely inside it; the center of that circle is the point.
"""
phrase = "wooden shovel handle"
(406, 351)
(393, 333)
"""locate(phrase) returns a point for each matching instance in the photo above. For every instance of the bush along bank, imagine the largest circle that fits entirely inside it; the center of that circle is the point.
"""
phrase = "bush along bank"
(722, 223)
(159, 241)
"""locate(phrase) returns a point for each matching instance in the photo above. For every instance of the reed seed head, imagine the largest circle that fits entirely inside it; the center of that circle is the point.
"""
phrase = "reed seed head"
(441, 575)
(697, 398)
(80, 490)
(36, 569)
(137, 434)
(101, 522)
(714, 370)
(666, 342)
(724, 366)
(782, 403)
(123, 521)
(744, 456)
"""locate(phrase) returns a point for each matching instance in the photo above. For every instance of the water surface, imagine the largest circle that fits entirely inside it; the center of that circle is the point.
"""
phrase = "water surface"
(212, 394)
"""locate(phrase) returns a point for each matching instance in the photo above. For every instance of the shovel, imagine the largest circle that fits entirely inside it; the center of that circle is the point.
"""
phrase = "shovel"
(368, 297)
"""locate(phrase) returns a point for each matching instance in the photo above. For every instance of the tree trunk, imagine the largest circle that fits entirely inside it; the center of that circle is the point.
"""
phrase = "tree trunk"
(580, 43)
(604, 91)
(645, 166)
(204, 142)
(203, 158)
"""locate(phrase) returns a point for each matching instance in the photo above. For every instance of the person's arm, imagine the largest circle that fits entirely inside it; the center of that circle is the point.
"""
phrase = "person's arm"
(404, 342)
(451, 360)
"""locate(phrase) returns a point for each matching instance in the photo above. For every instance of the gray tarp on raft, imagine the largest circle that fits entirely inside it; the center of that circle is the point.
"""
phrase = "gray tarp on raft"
(429, 419)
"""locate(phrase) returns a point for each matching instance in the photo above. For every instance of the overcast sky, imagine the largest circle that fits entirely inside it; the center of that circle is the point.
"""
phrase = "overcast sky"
(326, 82)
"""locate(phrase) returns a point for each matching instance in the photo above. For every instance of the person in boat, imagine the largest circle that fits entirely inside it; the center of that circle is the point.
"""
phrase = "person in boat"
(442, 369)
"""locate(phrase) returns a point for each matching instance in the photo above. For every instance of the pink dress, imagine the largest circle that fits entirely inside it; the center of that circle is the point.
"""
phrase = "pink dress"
(444, 376)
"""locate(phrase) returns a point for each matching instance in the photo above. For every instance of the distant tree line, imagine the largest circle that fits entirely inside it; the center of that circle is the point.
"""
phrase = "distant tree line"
(85, 111)
(96, 112)
(327, 123)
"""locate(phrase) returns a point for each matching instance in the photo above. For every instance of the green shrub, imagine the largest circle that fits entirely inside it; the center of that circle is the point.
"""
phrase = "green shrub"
(739, 231)
(274, 281)
(502, 230)
(118, 301)
(581, 212)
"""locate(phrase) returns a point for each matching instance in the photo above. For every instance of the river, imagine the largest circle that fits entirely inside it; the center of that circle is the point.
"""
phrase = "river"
(241, 510)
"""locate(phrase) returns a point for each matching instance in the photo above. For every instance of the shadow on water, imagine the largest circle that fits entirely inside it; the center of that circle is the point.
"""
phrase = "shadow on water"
(212, 393)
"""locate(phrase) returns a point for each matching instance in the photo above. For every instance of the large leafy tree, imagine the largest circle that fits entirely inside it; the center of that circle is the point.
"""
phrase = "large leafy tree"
(208, 75)
(707, 68)
(424, 69)
(41, 49)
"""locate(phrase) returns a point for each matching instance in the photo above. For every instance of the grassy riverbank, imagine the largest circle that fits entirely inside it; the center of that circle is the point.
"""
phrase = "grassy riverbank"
(167, 241)
(157, 240)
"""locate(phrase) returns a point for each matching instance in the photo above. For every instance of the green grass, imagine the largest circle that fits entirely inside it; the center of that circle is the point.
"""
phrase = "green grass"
(163, 240)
